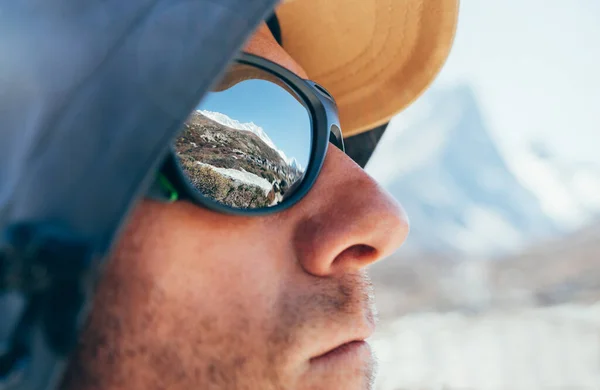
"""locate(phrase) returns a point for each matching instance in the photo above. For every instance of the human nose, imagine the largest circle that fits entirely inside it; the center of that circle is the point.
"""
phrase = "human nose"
(348, 222)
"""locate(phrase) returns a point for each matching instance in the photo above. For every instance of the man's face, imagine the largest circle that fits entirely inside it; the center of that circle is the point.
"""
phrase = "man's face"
(193, 299)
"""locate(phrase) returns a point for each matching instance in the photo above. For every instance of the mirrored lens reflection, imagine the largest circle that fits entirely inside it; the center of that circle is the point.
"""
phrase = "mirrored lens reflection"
(249, 143)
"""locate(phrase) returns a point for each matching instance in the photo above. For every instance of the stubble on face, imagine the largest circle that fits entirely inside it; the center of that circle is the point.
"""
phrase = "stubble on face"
(139, 337)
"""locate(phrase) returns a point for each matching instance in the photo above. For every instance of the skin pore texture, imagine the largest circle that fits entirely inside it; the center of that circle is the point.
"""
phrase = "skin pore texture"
(193, 299)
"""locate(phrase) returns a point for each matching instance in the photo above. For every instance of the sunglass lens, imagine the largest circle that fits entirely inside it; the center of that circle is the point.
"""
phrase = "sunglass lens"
(248, 144)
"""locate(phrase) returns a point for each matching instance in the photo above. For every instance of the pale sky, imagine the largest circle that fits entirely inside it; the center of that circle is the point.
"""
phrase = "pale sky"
(535, 66)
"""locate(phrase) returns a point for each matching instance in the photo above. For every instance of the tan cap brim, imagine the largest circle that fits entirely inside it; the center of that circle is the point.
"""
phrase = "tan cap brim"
(374, 56)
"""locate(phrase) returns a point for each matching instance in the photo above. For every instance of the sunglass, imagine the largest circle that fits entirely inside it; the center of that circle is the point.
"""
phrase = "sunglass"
(256, 143)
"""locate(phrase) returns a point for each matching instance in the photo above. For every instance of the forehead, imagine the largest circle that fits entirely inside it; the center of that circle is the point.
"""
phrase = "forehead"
(263, 44)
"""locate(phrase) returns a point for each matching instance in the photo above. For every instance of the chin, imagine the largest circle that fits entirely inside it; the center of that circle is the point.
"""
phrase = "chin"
(348, 380)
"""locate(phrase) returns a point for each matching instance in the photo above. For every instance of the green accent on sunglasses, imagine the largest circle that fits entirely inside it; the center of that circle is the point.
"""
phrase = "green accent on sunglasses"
(167, 186)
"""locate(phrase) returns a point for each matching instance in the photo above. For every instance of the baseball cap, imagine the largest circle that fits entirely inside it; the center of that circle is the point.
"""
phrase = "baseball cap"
(374, 56)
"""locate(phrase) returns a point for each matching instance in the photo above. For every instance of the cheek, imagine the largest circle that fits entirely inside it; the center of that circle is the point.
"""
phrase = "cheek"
(208, 266)
(190, 292)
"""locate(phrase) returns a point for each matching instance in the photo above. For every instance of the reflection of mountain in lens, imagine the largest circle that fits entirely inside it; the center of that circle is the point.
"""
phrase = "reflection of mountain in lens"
(253, 128)
(234, 167)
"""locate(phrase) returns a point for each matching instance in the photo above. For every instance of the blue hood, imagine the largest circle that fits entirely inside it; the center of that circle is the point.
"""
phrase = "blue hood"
(91, 95)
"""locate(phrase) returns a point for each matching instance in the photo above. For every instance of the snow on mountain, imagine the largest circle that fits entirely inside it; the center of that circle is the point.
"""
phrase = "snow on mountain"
(291, 161)
(242, 176)
(294, 163)
(235, 124)
(440, 161)
(569, 193)
(251, 127)
(586, 188)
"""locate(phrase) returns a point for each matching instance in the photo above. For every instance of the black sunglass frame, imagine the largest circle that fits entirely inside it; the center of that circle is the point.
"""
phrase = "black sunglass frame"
(325, 129)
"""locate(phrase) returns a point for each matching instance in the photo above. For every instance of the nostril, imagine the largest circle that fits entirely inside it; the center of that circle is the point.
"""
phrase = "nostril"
(356, 255)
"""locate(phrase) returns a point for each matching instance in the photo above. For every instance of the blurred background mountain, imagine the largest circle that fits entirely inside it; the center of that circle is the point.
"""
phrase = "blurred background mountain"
(498, 284)
(467, 205)
(498, 167)
(444, 166)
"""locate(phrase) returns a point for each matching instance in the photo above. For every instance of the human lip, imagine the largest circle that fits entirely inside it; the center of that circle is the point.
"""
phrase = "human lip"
(345, 354)
(351, 345)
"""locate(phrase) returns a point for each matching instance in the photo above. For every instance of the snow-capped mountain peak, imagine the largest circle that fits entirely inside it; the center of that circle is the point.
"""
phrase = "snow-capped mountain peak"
(448, 172)
(235, 124)
(253, 128)
(294, 163)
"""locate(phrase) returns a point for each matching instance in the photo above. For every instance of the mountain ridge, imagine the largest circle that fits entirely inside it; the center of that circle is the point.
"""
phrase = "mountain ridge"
(453, 181)
(252, 127)
(233, 166)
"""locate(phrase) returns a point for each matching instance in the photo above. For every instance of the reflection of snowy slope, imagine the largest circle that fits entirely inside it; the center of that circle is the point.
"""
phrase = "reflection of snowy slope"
(251, 127)
(442, 164)
(242, 176)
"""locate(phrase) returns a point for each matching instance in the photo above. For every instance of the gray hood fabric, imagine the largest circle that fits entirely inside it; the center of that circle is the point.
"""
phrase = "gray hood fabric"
(91, 94)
